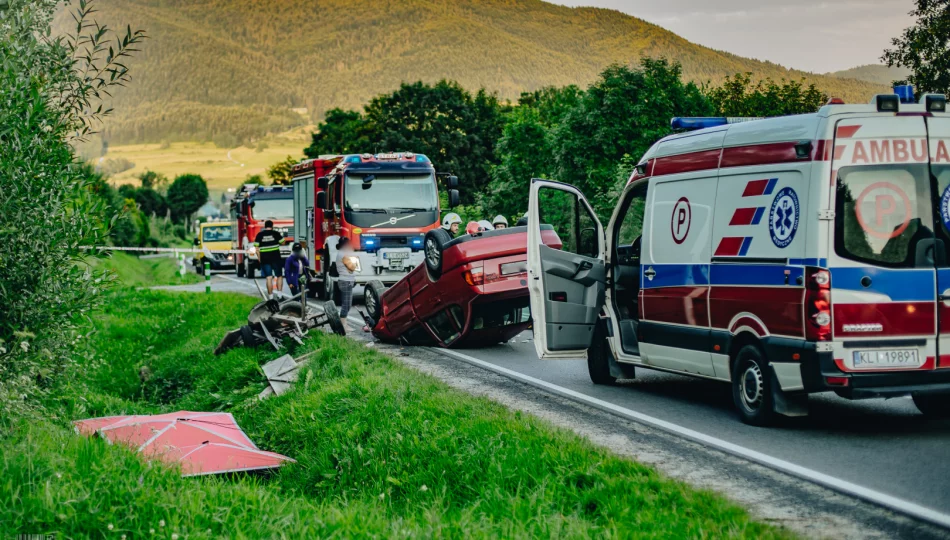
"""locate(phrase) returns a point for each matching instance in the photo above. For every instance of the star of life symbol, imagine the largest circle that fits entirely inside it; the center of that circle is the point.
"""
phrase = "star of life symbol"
(783, 217)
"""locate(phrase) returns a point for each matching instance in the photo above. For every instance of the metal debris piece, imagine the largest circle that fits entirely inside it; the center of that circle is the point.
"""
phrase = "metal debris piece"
(281, 373)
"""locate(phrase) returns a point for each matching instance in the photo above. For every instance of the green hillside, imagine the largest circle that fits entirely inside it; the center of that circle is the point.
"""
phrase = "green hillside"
(239, 66)
(873, 73)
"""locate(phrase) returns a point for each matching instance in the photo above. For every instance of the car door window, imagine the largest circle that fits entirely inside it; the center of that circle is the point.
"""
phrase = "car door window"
(574, 223)
(631, 228)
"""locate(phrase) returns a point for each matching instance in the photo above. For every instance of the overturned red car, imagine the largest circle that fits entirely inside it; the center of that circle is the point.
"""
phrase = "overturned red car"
(472, 290)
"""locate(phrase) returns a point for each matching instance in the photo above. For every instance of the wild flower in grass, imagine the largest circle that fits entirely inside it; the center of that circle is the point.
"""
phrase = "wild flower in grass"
(25, 346)
(151, 531)
(382, 496)
(161, 523)
(423, 488)
(109, 526)
(174, 536)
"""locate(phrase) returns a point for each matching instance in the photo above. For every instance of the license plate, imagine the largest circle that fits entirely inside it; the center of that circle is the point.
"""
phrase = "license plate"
(397, 256)
(886, 358)
(520, 267)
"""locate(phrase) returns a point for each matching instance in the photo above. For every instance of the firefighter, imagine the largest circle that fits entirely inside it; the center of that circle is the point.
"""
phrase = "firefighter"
(451, 222)
(500, 222)
(268, 246)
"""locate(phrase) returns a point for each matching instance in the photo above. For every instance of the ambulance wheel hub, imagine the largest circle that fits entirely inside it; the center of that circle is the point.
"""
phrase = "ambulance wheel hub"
(752, 386)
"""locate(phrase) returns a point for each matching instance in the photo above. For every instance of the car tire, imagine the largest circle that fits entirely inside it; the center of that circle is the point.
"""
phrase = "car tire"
(333, 318)
(248, 337)
(433, 248)
(373, 299)
(250, 270)
(752, 387)
(291, 309)
(598, 358)
(935, 405)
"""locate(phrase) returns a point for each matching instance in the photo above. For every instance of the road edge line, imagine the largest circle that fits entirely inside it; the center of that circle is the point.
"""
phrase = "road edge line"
(836, 484)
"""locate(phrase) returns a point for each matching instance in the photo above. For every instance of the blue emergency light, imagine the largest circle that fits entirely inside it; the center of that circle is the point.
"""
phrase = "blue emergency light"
(417, 242)
(905, 92)
(692, 123)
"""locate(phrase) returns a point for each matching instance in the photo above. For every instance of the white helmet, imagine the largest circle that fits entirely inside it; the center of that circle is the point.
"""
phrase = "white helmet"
(500, 219)
(485, 225)
(451, 219)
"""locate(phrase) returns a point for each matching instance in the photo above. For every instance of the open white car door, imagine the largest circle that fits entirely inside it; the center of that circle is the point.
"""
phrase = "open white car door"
(567, 284)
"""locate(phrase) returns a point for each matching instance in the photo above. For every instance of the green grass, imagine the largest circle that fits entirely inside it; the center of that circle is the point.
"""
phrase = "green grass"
(381, 449)
(131, 271)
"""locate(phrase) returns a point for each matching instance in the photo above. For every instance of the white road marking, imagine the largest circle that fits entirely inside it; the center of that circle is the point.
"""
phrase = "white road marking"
(836, 484)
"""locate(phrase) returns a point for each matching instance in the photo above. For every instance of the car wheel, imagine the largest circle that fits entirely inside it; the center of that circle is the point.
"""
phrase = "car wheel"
(434, 245)
(752, 387)
(333, 317)
(373, 299)
(250, 270)
(935, 405)
(248, 337)
(291, 309)
(598, 358)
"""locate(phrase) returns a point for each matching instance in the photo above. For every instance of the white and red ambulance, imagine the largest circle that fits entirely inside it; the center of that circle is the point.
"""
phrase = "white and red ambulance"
(786, 256)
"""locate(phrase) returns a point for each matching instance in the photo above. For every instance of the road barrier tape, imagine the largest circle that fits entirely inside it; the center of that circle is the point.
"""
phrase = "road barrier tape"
(163, 250)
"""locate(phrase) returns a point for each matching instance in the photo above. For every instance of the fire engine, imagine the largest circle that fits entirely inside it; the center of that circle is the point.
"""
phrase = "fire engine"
(785, 256)
(383, 203)
(251, 207)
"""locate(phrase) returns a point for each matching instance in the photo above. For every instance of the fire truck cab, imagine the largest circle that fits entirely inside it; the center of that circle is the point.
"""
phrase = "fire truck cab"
(251, 208)
(785, 256)
(383, 203)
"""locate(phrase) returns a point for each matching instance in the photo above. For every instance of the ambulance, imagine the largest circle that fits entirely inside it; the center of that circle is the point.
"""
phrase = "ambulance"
(785, 256)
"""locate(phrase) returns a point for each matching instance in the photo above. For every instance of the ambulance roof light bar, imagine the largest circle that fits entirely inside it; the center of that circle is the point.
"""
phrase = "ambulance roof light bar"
(905, 92)
(691, 123)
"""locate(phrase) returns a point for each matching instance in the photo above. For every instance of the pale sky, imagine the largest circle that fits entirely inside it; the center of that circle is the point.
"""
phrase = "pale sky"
(811, 35)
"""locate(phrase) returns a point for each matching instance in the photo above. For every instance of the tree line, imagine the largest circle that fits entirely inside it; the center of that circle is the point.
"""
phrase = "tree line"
(587, 137)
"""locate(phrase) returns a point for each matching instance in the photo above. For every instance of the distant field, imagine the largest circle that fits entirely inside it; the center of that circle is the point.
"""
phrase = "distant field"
(211, 162)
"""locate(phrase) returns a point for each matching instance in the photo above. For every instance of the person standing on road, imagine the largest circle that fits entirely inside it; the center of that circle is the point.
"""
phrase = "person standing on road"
(346, 266)
(268, 247)
(295, 266)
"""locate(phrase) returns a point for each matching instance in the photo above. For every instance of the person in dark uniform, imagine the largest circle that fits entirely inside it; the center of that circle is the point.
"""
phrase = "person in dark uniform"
(268, 247)
(297, 264)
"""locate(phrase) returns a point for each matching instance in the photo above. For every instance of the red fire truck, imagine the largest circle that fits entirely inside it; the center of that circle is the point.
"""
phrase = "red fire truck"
(250, 208)
(384, 203)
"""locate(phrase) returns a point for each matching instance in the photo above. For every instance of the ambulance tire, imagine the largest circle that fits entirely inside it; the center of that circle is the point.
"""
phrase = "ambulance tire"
(433, 248)
(373, 299)
(598, 358)
(933, 405)
(752, 387)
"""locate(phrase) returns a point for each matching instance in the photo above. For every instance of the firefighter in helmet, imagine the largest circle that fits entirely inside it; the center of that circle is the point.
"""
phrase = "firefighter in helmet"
(451, 223)
(500, 222)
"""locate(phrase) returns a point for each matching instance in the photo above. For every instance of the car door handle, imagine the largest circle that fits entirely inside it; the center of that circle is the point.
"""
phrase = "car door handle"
(650, 273)
(945, 297)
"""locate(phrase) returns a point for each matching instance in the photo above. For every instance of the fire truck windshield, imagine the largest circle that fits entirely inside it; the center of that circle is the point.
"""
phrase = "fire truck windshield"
(391, 193)
(273, 209)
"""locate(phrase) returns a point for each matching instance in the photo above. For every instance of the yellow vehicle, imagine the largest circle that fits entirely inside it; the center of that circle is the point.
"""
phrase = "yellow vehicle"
(214, 236)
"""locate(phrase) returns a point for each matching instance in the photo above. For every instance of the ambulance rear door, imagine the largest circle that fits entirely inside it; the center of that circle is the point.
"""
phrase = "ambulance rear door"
(884, 250)
(938, 128)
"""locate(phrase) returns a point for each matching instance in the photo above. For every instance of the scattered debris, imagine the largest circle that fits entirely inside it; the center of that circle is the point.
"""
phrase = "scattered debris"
(200, 442)
(272, 320)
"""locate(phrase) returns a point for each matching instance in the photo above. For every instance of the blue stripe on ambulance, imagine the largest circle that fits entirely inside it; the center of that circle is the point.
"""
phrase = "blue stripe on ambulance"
(904, 285)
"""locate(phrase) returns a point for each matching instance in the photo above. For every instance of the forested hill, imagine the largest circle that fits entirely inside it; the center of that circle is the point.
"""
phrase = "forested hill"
(874, 73)
(239, 66)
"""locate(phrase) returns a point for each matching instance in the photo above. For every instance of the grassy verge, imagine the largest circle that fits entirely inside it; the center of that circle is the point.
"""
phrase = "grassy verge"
(132, 271)
(381, 450)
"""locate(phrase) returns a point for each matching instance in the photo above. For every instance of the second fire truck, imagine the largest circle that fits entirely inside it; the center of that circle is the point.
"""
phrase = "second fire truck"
(384, 203)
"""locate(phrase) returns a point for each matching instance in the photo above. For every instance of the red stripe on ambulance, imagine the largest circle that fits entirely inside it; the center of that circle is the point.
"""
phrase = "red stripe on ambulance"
(846, 132)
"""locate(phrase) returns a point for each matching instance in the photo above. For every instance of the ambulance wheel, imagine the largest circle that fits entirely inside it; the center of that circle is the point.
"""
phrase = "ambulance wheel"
(373, 299)
(434, 245)
(752, 387)
(598, 357)
(935, 405)
(333, 317)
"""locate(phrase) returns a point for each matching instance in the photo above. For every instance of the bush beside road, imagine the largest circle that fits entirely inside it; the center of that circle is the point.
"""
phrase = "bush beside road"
(381, 449)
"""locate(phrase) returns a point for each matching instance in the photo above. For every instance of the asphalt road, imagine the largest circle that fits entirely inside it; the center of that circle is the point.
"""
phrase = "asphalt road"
(884, 445)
